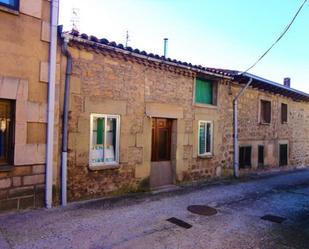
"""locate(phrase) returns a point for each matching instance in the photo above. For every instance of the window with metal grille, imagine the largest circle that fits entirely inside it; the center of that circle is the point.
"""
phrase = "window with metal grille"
(284, 113)
(283, 154)
(205, 92)
(245, 157)
(265, 113)
(260, 155)
(12, 4)
(6, 132)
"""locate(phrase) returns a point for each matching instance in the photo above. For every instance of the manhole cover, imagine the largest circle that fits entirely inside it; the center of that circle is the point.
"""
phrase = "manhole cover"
(273, 218)
(202, 210)
(179, 222)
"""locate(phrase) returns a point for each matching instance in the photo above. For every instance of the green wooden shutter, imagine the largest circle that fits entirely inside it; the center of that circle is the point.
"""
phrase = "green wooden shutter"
(203, 92)
(100, 130)
(202, 138)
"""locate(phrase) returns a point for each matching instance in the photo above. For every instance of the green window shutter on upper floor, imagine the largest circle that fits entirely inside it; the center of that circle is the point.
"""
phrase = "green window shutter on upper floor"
(203, 92)
(100, 130)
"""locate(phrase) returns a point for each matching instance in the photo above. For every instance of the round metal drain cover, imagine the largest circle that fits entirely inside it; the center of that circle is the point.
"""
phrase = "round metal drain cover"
(202, 210)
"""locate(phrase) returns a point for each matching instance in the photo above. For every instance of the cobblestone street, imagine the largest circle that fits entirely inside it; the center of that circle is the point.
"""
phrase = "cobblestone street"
(140, 222)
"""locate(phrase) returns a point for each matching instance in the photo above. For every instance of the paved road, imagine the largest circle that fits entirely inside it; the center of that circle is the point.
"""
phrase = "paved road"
(141, 222)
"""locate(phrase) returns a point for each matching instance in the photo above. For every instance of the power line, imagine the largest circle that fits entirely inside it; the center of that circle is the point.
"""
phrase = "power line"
(278, 39)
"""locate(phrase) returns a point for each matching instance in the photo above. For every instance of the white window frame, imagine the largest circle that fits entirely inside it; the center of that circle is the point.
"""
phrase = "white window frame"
(117, 117)
(211, 138)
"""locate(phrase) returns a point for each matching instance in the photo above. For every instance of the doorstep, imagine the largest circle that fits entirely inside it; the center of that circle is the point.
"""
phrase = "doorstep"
(165, 188)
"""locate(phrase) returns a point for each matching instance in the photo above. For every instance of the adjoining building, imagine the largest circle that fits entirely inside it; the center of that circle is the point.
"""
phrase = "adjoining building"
(24, 60)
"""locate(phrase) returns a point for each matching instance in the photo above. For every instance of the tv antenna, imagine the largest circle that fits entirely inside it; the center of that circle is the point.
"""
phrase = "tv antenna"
(127, 38)
(75, 19)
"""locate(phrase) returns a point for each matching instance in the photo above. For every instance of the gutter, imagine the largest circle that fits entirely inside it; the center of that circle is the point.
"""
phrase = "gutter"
(235, 128)
(51, 104)
(64, 153)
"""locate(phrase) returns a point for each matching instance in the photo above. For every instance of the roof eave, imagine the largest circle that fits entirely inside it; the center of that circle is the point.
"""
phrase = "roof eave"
(124, 51)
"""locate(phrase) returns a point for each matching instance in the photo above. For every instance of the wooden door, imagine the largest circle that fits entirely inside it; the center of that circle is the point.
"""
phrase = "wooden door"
(161, 139)
(161, 173)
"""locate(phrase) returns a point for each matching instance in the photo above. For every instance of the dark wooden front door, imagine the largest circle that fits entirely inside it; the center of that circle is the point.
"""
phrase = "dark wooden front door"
(161, 169)
(161, 139)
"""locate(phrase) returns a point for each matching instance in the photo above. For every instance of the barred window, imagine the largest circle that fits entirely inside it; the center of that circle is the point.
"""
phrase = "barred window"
(6, 132)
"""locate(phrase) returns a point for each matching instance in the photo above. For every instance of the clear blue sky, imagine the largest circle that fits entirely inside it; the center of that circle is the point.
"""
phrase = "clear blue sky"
(228, 34)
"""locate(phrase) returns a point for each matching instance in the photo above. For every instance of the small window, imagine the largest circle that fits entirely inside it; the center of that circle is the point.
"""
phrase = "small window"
(265, 114)
(260, 155)
(6, 132)
(283, 154)
(205, 138)
(284, 113)
(205, 92)
(245, 157)
(104, 139)
(12, 4)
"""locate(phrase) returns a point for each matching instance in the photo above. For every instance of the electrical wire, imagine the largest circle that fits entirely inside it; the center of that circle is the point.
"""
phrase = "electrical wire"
(278, 39)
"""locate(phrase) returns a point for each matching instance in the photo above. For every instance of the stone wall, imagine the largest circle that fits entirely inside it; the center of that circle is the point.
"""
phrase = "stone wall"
(111, 83)
(24, 49)
(108, 85)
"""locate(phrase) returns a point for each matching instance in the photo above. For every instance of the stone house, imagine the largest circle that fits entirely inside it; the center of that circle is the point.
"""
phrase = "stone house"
(24, 56)
(140, 121)
(137, 121)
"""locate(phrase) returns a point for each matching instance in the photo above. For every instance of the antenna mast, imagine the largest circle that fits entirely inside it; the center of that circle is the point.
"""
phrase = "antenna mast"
(127, 38)
(75, 19)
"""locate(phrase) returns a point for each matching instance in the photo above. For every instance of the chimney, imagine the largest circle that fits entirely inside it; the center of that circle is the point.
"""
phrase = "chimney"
(287, 82)
(165, 47)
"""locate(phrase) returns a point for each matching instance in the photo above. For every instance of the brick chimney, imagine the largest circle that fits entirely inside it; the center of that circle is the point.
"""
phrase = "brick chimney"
(287, 82)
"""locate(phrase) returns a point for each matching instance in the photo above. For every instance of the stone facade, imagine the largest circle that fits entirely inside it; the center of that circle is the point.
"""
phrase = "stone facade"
(137, 90)
(24, 49)
(110, 82)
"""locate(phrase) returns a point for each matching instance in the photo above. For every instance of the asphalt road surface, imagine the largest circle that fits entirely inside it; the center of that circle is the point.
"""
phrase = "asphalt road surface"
(141, 221)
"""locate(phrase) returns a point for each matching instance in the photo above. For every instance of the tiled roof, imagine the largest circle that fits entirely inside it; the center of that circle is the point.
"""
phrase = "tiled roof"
(271, 86)
(86, 39)
(258, 82)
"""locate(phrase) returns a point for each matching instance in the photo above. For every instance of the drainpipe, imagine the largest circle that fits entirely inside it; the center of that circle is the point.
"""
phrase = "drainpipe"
(51, 104)
(235, 127)
(64, 154)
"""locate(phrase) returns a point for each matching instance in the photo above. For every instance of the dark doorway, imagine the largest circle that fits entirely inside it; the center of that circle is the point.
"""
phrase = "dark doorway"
(245, 157)
(6, 131)
(161, 168)
(261, 155)
(283, 154)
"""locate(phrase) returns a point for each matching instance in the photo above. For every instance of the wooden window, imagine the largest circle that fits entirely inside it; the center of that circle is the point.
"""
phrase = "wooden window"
(265, 113)
(12, 4)
(284, 113)
(6, 132)
(104, 139)
(260, 155)
(205, 136)
(283, 154)
(245, 157)
(205, 92)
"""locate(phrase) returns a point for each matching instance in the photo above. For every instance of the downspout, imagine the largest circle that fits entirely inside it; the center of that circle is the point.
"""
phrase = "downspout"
(235, 127)
(64, 154)
(51, 104)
